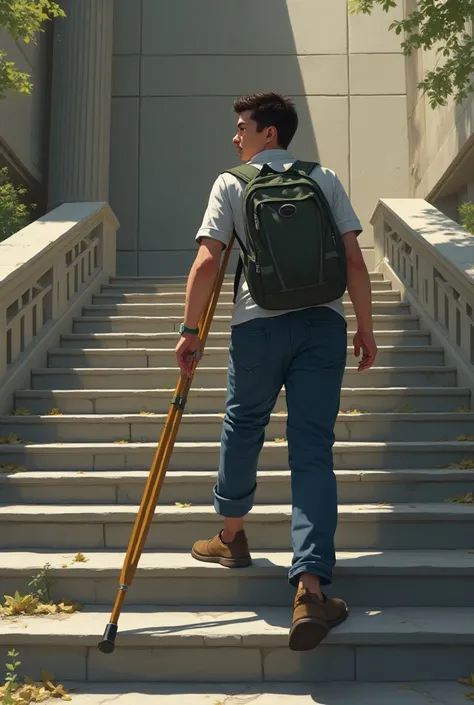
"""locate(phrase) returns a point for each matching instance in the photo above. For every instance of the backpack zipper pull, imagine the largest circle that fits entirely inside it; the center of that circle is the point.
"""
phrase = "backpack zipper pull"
(257, 266)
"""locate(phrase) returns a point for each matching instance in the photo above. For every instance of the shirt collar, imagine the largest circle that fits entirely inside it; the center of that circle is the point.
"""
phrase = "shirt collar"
(271, 155)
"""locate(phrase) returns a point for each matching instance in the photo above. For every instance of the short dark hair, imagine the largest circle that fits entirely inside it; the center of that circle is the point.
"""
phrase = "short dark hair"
(271, 110)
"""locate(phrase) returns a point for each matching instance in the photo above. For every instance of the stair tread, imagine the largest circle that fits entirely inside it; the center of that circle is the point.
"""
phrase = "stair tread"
(219, 390)
(106, 513)
(264, 476)
(419, 562)
(212, 334)
(206, 417)
(264, 626)
(352, 693)
(223, 369)
(191, 446)
(221, 348)
(227, 318)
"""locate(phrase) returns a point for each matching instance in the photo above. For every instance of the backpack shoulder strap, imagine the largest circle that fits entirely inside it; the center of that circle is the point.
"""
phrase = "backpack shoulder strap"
(305, 167)
(246, 172)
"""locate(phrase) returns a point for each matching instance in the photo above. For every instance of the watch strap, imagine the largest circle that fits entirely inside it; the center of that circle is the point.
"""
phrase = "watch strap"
(184, 329)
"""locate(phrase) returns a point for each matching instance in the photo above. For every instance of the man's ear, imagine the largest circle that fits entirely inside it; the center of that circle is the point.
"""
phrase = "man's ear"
(272, 134)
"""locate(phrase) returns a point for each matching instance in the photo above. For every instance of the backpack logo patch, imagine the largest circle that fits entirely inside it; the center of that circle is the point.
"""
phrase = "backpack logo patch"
(287, 210)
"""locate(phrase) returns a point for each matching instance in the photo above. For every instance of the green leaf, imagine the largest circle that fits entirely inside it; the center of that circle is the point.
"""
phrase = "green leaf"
(14, 213)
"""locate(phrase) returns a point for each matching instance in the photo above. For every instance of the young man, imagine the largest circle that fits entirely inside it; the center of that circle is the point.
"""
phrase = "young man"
(303, 350)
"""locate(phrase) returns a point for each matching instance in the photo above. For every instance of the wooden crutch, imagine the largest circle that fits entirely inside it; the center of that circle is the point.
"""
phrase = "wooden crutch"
(159, 467)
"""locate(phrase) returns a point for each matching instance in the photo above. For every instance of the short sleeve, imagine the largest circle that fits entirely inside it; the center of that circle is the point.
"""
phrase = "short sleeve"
(344, 213)
(218, 221)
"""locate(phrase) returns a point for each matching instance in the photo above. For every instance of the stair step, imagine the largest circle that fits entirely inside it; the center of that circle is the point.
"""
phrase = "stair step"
(165, 324)
(353, 693)
(222, 309)
(102, 401)
(392, 578)
(148, 295)
(180, 282)
(138, 428)
(82, 527)
(205, 456)
(389, 644)
(167, 377)
(377, 284)
(219, 356)
(165, 340)
(195, 487)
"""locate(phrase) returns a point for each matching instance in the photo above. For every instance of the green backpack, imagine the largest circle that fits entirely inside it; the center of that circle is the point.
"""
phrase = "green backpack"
(294, 255)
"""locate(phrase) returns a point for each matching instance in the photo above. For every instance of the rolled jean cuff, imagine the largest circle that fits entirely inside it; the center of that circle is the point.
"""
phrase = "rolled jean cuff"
(323, 571)
(233, 508)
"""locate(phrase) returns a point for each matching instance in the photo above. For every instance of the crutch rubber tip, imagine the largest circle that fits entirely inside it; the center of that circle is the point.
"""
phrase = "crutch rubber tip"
(107, 645)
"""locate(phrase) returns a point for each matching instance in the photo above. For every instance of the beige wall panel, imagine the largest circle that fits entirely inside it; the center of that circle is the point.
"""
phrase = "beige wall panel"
(127, 264)
(184, 144)
(181, 155)
(323, 134)
(379, 157)
(127, 26)
(23, 118)
(173, 263)
(370, 34)
(244, 27)
(232, 76)
(124, 170)
(126, 76)
(377, 74)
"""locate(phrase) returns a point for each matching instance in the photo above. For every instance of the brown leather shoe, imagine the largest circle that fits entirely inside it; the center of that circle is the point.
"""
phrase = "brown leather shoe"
(230, 555)
(313, 618)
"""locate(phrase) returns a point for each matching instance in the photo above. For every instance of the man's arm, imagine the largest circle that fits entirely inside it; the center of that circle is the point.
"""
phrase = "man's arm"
(201, 281)
(360, 292)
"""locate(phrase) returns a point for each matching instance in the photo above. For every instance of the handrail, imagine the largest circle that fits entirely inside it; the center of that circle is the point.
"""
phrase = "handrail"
(433, 259)
(45, 267)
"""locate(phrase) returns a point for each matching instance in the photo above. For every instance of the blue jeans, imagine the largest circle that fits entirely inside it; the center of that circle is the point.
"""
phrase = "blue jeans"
(306, 352)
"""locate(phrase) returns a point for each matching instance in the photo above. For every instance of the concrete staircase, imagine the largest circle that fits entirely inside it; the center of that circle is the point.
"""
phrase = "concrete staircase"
(405, 555)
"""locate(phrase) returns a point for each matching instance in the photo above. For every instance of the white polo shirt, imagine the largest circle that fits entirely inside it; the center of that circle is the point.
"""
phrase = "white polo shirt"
(225, 212)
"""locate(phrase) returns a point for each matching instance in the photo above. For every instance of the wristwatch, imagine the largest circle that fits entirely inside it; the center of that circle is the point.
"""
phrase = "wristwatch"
(184, 329)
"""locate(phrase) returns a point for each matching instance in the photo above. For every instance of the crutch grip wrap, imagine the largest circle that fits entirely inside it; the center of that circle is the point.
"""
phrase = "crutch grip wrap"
(179, 401)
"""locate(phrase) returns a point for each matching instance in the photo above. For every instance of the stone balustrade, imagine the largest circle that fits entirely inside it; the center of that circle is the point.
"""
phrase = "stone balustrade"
(432, 258)
(48, 270)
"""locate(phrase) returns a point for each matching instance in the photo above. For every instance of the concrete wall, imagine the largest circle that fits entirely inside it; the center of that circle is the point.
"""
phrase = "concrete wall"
(441, 141)
(178, 65)
(24, 119)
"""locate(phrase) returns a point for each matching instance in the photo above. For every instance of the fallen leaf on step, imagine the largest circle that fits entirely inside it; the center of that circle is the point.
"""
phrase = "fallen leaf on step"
(64, 565)
(467, 681)
(79, 558)
(467, 498)
(183, 505)
(280, 440)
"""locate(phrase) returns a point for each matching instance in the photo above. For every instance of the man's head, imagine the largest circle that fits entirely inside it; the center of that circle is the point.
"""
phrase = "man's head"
(266, 121)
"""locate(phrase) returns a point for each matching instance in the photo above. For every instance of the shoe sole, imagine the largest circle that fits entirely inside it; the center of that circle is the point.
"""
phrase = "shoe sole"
(307, 633)
(226, 562)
